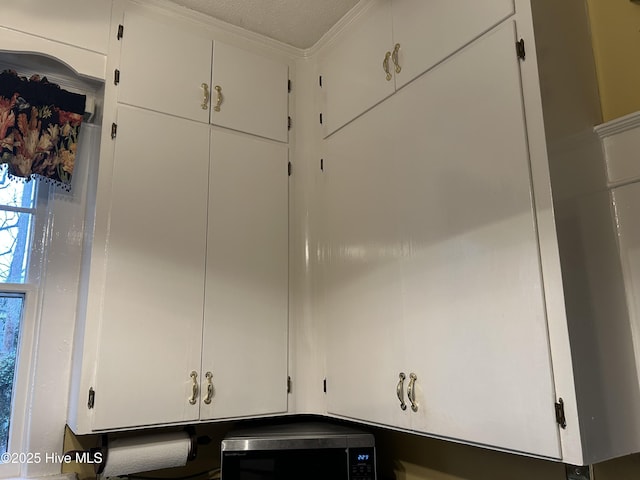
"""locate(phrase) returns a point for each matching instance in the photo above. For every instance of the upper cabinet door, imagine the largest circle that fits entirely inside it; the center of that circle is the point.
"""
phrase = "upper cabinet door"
(249, 92)
(164, 68)
(246, 299)
(425, 33)
(473, 300)
(353, 75)
(152, 304)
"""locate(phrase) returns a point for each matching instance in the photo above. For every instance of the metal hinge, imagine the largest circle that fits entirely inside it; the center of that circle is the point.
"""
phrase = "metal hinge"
(560, 418)
(520, 51)
(324, 385)
(116, 77)
(120, 32)
(288, 384)
(289, 86)
(92, 398)
(321, 119)
(114, 130)
(289, 168)
(288, 123)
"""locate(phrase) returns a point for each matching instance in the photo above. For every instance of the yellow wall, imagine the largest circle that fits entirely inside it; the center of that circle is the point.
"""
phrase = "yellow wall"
(615, 26)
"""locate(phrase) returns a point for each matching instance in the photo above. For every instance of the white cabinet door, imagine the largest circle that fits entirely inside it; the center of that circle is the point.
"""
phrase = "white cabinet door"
(428, 32)
(151, 320)
(82, 23)
(251, 92)
(473, 301)
(164, 68)
(246, 308)
(353, 78)
(362, 277)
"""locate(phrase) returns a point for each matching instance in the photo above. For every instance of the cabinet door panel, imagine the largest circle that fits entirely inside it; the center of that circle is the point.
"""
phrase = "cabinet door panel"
(151, 323)
(353, 79)
(474, 307)
(362, 307)
(254, 92)
(163, 68)
(246, 308)
(430, 31)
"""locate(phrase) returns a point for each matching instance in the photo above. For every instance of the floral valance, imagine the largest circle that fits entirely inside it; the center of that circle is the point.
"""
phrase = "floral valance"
(39, 127)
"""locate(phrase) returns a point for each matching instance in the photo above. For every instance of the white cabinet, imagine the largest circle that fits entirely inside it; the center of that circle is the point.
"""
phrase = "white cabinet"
(392, 43)
(460, 244)
(433, 244)
(152, 304)
(246, 296)
(188, 281)
(170, 70)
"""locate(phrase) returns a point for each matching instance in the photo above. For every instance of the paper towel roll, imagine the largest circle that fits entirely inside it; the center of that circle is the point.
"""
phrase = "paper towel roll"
(141, 454)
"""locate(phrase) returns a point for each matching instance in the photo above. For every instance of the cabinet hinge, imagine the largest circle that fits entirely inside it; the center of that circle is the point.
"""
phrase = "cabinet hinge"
(289, 168)
(321, 119)
(288, 384)
(560, 418)
(116, 77)
(520, 51)
(324, 385)
(92, 398)
(289, 86)
(288, 123)
(120, 32)
(320, 81)
(114, 130)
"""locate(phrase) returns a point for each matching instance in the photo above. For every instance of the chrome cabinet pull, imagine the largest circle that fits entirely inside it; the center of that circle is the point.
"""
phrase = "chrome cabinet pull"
(385, 65)
(394, 57)
(194, 393)
(411, 391)
(218, 89)
(209, 396)
(205, 100)
(399, 391)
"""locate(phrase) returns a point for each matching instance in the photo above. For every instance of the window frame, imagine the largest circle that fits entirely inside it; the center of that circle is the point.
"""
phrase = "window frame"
(30, 324)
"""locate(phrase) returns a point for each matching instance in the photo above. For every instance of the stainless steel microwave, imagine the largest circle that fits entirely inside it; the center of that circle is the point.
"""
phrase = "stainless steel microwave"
(313, 451)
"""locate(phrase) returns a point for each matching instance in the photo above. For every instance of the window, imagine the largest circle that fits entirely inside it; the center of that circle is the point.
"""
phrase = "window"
(18, 219)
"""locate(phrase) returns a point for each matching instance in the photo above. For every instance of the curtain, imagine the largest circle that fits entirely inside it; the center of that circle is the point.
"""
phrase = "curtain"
(39, 127)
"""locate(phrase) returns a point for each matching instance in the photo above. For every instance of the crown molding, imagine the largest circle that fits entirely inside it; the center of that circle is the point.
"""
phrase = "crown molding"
(221, 26)
(618, 125)
(328, 38)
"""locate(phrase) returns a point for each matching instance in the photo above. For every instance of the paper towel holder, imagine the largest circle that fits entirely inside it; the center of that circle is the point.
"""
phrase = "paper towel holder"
(103, 448)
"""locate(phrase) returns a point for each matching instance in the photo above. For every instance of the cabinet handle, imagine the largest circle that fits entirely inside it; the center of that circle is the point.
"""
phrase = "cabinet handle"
(394, 57)
(218, 98)
(399, 391)
(194, 393)
(411, 391)
(205, 100)
(385, 65)
(209, 396)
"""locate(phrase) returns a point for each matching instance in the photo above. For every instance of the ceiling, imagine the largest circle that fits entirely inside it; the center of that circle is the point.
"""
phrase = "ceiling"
(300, 23)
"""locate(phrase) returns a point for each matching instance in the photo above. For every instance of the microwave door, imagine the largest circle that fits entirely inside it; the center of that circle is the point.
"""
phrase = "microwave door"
(315, 464)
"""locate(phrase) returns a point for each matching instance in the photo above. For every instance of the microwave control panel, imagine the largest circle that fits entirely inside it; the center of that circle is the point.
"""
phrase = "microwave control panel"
(362, 463)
